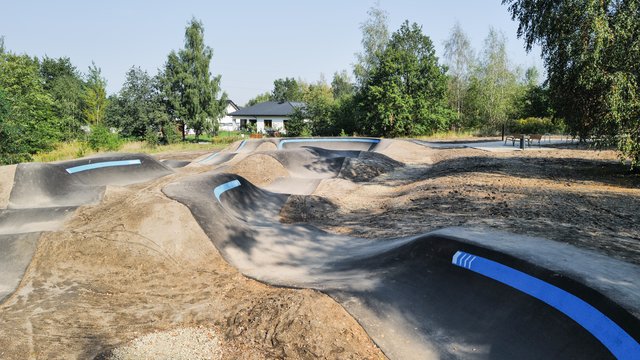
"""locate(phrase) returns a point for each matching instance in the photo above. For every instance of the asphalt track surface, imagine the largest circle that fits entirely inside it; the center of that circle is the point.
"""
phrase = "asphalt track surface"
(452, 293)
(43, 196)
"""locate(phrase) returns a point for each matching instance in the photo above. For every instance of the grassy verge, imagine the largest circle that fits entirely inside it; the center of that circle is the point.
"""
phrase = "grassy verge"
(77, 149)
(452, 135)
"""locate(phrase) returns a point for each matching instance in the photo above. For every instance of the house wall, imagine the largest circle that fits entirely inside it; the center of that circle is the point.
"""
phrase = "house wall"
(228, 123)
(277, 122)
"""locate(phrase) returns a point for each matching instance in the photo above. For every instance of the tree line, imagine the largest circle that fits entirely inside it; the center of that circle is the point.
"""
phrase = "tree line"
(402, 89)
(48, 100)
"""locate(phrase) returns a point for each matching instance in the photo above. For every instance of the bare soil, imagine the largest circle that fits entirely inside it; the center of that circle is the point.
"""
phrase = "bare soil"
(139, 263)
(583, 197)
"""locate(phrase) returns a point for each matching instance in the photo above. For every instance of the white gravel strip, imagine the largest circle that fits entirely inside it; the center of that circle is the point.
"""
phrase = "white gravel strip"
(177, 344)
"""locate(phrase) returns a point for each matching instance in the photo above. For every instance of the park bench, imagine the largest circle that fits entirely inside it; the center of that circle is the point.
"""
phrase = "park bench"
(533, 137)
(528, 138)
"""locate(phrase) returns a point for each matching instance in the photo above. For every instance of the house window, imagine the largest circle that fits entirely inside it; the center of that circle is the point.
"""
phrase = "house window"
(284, 124)
(268, 124)
(243, 124)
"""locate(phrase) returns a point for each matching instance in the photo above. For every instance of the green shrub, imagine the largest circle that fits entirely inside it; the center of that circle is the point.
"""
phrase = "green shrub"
(101, 138)
(305, 132)
(170, 135)
(151, 138)
(535, 125)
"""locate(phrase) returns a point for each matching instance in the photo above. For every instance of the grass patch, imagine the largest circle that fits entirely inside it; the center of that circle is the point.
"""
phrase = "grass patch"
(77, 149)
(451, 135)
(65, 151)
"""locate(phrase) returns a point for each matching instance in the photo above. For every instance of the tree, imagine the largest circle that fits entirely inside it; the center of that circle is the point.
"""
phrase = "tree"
(406, 93)
(534, 100)
(95, 98)
(341, 85)
(375, 36)
(138, 108)
(287, 89)
(297, 126)
(460, 60)
(591, 50)
(318, 109)
(65, 85)
(12, 148)
(30, 120)
(192, 94)
(498, 83)
(259, 99)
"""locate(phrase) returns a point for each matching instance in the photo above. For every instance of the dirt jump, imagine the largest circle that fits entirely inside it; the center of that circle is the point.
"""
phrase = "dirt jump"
(253, 244)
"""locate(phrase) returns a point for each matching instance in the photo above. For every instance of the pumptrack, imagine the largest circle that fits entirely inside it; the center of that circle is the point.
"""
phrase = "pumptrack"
(448, 294)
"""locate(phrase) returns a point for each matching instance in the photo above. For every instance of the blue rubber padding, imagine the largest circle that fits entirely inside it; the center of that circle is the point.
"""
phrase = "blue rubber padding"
(98, 165)
(371, 141)
(612, 336)
(241, 145)
(224, 187)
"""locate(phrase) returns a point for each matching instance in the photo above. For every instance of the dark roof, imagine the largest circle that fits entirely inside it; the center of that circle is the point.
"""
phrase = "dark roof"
(269, 108)
(233, 104)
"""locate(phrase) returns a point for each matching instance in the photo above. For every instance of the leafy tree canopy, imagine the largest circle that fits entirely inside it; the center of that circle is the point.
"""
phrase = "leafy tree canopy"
(591, 51)
(406, 93)
(375, 36)
(341, 85)
(287, 89)
(138, 107)
(192, 94)
(95, 96)
(30, 120)
(259, 99)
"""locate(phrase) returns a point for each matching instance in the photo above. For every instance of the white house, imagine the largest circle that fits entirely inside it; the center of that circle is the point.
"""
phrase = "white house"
(266, 116)
(226, 122)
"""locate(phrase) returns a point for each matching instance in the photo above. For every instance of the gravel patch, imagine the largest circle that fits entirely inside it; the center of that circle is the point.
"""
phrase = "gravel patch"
(176, 344)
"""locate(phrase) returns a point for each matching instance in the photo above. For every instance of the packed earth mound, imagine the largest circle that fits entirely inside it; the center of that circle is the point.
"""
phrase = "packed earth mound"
(426, 253)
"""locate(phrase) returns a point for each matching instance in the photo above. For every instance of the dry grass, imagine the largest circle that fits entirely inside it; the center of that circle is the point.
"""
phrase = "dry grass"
(450, 135)
(77, 149)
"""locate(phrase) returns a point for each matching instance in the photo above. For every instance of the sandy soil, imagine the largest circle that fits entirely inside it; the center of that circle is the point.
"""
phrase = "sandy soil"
(259, 169)
(6, 183)
(139, 263)
(583, 197)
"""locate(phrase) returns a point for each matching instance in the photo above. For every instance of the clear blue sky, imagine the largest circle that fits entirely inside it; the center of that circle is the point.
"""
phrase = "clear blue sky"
(254, 42)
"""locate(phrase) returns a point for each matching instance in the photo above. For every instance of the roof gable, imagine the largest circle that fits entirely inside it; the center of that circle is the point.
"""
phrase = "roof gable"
(269, 108)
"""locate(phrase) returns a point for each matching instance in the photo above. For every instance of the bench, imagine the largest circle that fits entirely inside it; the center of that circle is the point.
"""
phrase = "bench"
(533, 137)
(514, 138)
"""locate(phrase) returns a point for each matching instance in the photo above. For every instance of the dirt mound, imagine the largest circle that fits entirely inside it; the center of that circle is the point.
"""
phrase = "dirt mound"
(266, 146)
(301, 208)
(6, 183)
(138, 263)
(367, 166)
(407, 152)
(175, 344)
(259, 169)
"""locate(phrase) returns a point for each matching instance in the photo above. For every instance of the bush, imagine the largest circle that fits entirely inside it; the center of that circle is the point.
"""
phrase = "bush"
(151, 138)
(170, 135)
(535, 125)
(101, 138)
